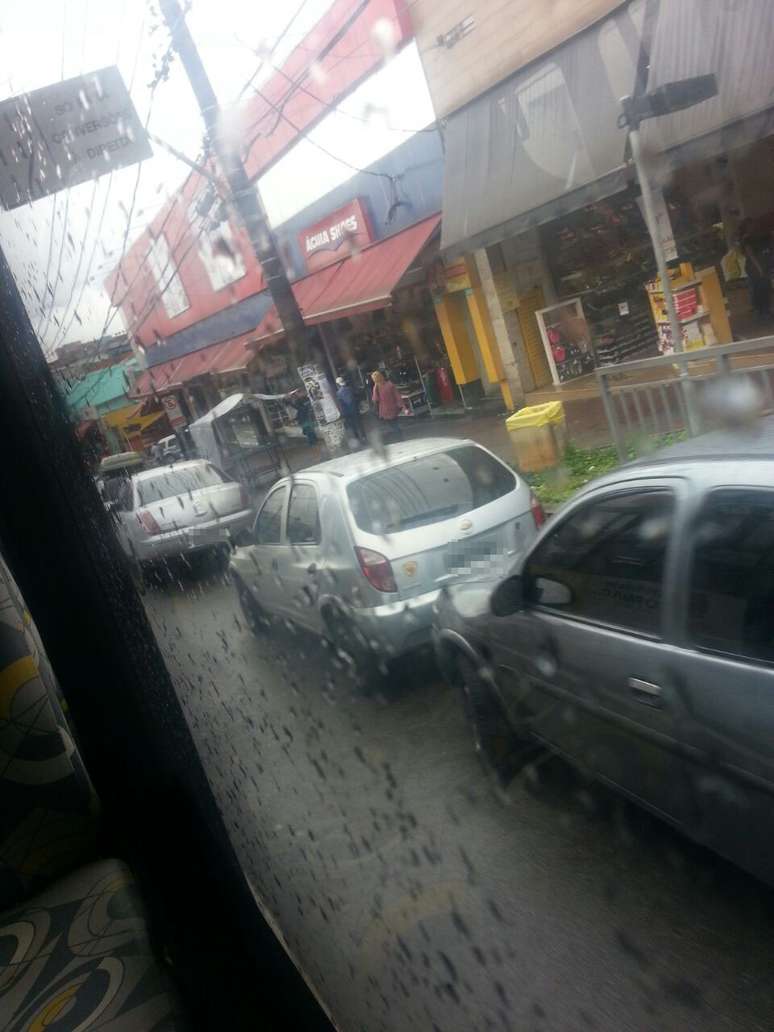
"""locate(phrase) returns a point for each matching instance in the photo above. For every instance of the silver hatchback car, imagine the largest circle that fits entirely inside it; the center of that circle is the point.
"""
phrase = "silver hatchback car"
(180, 510)
(356, 549)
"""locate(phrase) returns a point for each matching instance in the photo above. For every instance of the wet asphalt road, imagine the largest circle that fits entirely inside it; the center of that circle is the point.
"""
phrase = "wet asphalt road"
(413, 898)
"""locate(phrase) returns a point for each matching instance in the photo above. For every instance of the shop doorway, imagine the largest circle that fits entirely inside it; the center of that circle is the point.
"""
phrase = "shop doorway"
(529, 303)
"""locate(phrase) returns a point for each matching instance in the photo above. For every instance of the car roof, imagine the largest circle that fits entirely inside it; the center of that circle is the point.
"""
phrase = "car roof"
(754, 441)
(150, 474)
(360, 464)
(709, 455)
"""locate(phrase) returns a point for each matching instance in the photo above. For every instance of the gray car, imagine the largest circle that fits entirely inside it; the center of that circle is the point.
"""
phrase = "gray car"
(636, 638)
(181, 510)
(356, 549)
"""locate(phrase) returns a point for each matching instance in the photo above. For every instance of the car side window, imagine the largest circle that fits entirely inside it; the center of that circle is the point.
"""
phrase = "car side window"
(731, 600)
(303, 516)
(605, 562)
(268, 526)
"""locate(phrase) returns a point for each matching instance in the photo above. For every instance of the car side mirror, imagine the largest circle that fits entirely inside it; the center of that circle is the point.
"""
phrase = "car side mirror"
(508, 597)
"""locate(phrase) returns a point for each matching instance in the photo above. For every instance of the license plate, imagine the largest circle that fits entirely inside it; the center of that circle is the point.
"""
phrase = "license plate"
(461, 555)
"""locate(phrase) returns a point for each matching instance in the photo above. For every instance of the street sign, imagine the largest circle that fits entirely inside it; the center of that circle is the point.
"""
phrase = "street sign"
(173, 411)
(65, 134)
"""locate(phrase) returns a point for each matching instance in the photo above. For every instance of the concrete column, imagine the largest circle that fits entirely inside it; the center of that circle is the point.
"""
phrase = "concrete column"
(510, 368)
(485, 335)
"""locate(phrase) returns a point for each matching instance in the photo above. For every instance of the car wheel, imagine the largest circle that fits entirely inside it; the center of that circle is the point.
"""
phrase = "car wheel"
(502, 751)
(348, 639)
(255, 616)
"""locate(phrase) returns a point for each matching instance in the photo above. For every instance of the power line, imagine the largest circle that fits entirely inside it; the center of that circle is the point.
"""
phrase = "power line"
(335, 106)
(332, 42)
(65, 327)
(50, 255)
(273, 50)
(320, 147)
(65, 324)
(58, 265)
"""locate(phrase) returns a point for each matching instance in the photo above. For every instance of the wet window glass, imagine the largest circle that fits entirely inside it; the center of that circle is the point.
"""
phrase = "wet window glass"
(448, 656)
(170, 483)
(428, 489)
(731, 608)
(610, 555)
(268, 526)
(303, 516)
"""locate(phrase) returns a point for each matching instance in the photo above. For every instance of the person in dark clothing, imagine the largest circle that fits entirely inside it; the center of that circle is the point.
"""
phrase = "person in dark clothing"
(304, 415)
(350, 411)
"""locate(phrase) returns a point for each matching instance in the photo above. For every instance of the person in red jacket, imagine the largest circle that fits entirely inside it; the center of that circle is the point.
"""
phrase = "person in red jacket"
(388, 403)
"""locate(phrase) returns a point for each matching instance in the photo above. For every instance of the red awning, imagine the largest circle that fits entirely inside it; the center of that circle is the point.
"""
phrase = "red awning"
(223, 357)
(361, 282)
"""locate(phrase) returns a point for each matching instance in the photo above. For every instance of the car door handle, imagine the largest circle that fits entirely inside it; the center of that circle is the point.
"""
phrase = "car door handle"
(645, 692)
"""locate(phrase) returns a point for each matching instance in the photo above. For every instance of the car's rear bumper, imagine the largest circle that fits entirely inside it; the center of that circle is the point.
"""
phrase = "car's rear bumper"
(189, 540)
(398, 627)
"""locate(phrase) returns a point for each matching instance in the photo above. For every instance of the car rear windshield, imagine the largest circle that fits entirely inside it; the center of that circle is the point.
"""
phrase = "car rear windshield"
(428, 489)
(173, 482)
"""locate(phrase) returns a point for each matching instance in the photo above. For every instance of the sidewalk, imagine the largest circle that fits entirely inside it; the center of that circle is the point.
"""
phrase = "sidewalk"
(586, 427)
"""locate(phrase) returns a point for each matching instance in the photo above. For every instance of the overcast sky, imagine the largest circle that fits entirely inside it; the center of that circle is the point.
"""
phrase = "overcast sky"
(43, 41)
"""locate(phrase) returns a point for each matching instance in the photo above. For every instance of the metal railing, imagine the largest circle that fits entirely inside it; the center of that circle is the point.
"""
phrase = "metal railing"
(663, 394)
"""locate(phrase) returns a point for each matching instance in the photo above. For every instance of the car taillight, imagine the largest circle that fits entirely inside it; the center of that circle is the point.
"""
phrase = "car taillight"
(376, 569)
(538, 512)
(148, 522)
(244, 497)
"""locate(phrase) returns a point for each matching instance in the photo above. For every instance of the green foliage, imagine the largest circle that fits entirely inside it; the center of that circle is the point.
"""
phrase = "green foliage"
(581, 465)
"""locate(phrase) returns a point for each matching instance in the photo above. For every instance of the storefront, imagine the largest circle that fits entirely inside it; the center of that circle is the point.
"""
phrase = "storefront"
(540, 190)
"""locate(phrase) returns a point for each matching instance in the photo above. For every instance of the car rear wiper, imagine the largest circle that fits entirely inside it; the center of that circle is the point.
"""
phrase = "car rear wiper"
(428, 517)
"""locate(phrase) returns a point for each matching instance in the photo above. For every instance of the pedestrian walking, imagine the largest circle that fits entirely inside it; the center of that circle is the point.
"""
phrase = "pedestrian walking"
(388, 404)
(350, 411)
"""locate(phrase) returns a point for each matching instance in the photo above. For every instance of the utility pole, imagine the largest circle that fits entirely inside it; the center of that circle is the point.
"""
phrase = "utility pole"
(243, 194)
(649, 210)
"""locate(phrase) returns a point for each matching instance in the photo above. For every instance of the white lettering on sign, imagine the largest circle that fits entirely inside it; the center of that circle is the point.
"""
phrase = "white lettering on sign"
(333, 235)
(66, 134)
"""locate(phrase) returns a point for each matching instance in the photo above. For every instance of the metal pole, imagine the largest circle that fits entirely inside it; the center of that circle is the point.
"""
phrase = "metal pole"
(244, 194)
(658, 250)
(635, 143)
(608, 404)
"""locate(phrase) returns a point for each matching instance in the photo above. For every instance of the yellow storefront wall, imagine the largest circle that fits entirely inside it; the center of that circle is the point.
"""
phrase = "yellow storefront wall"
(450, 311)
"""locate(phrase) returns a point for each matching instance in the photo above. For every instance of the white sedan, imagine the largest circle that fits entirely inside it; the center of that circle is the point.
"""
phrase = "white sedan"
(180, 510)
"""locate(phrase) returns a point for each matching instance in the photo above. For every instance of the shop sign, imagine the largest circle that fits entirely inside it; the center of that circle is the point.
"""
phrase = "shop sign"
(67, 133)
(173, 411)
(335, 236)
(320, 394)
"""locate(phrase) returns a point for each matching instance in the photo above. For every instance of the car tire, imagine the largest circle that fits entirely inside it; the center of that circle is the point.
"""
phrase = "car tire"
(255, 616)
(346, 637)
(502, 751)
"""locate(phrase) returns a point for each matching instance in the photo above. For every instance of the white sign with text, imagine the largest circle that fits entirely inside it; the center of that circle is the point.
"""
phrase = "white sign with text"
(65, 134)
